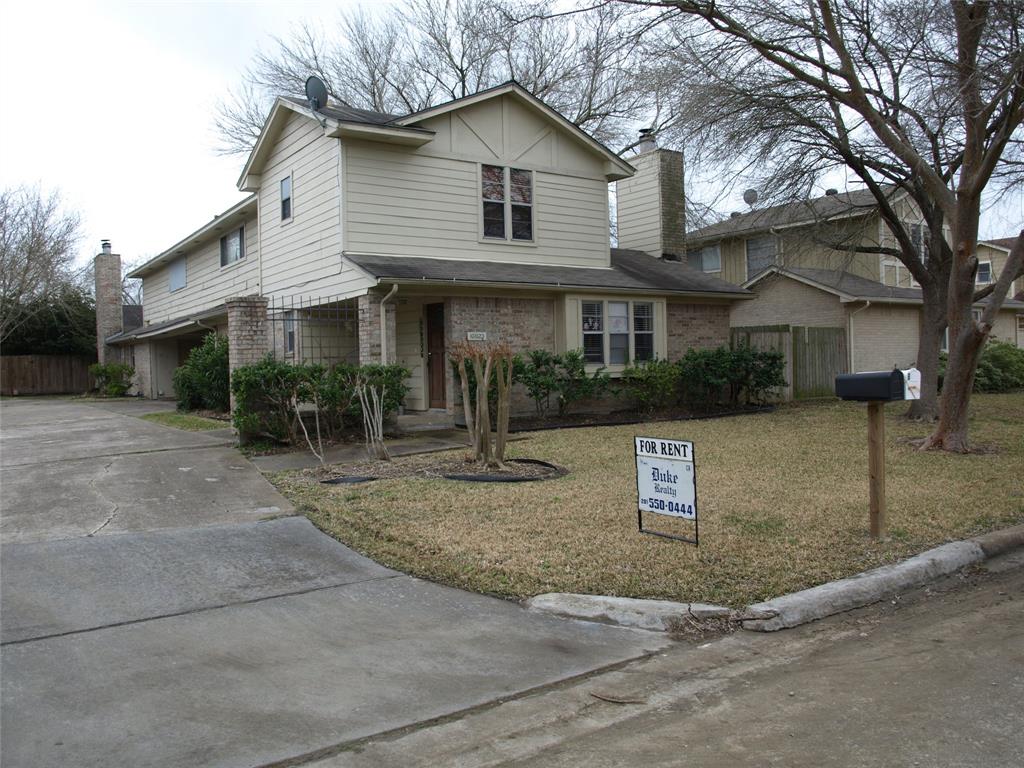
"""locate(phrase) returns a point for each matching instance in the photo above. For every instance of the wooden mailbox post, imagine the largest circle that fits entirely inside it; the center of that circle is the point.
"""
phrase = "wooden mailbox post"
(877, 388)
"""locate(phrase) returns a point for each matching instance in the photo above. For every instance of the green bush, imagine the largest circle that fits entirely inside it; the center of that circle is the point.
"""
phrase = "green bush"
(574, 385)
(203, 381)
(539, 374)
(112, 379)
(1000, 368)
(267, 393)
(654, 385)
(729, 376)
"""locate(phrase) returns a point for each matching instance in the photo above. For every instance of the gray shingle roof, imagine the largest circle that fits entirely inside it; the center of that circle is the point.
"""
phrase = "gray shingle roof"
(630, 270)
(858, 202)
(859, 287)
(347, 114)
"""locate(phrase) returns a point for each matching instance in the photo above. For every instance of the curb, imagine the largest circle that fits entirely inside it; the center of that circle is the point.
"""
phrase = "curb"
(878, 584)
(651, 615)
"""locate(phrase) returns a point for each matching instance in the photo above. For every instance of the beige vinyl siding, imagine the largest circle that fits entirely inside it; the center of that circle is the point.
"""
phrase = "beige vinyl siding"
(401, 203)
(885, 336)
(734, 261)
(207, 284)
(638, 207)
(798, 248)
(998, 258)
(782, 300)
(1004, 328)
(411, 349)
(302, 255)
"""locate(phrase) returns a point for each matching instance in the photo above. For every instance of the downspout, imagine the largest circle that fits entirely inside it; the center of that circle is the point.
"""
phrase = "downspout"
(383, 323)
(849, 320)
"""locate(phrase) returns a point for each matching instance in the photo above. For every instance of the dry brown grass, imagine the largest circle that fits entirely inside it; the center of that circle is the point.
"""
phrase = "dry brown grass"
(782, 503)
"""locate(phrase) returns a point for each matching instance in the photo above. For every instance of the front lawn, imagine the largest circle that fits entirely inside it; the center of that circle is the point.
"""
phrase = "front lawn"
(782, 501)
(187, 421)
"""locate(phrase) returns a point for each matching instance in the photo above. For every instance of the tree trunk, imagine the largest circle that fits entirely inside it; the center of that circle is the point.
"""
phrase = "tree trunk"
(966, 338)
(467, 405)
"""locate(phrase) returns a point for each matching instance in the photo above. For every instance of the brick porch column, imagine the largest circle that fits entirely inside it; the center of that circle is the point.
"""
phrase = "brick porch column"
(369, 329)
(247, 332)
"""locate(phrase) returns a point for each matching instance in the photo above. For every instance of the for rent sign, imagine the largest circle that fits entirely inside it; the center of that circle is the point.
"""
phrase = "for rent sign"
(666, 481)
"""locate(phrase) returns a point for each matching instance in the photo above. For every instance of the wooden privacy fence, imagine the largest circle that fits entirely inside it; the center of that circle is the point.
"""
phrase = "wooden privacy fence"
(45, 374)
(814, 356)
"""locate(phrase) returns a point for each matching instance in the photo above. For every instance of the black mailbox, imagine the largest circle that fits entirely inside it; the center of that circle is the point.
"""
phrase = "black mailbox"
(874, 385)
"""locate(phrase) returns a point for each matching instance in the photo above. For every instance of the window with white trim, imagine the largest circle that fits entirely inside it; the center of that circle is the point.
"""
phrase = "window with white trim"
(176, 275)
(232, 247)
(286, 198)
(506, 196)
(617, 332)
(984, 276)
(706, 259)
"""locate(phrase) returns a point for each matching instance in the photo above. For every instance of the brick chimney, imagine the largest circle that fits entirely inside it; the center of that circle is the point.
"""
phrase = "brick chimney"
(650, 207)
(107, 270)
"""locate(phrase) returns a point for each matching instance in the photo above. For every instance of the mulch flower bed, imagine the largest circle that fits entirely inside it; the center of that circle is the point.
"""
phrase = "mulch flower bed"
(435, 467)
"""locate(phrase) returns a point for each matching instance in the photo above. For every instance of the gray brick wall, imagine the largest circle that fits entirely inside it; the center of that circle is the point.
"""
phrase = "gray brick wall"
(673, 207)
(107, 270)
(701, 326)
(248, 340)
(369, 329)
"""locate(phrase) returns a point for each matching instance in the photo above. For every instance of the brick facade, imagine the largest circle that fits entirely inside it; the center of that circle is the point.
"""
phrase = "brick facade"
(524, 323)
(248, 340)
(701, 326)
(107, 270)
(369, 329)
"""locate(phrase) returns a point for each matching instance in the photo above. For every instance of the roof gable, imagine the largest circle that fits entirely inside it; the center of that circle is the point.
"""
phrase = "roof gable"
(484, 131)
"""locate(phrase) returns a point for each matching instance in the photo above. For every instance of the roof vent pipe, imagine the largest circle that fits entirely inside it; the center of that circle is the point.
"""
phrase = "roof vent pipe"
(647, 140)
(735, 215)
(105, 246)
(831, 191)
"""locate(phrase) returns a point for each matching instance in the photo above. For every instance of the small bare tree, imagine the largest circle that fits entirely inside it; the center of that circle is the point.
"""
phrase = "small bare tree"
(38, 239)
(487, 362)
(371, 401)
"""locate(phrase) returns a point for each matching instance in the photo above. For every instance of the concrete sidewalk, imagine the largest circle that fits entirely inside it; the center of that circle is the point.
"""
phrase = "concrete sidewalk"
(152, 616)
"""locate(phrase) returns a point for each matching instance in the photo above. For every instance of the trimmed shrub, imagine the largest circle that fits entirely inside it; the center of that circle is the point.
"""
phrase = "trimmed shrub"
(539, 374)
(729, 376)
(270, 394)
(203, 381)
(112, 379)
(654, 384)
(574, 385)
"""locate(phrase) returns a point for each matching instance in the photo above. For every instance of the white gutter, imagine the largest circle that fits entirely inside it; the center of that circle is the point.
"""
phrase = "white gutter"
(384, 324)
(849, 320)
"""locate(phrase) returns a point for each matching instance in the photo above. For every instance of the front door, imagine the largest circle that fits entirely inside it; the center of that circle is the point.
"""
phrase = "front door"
(435, 355)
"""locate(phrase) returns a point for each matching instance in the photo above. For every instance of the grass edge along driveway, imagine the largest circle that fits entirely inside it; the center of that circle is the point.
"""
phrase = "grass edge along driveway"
(782, 500)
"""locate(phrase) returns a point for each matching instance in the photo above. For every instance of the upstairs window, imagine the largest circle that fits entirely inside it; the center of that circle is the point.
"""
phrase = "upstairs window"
(984, 276)
(761, 253)
(176, 275)
(286, 198)
(706, 259)
(507, 203)
(232, 247)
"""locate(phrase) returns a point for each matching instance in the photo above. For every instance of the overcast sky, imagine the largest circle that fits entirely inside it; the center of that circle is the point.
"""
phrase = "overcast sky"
(113, 104)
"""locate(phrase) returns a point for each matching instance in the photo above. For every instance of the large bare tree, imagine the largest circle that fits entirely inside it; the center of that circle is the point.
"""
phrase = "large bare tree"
(38, 239)
(927, 97)
(424, 52)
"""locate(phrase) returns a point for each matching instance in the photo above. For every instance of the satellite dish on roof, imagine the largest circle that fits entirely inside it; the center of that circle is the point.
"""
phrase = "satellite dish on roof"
(750, 196)
(316, 92)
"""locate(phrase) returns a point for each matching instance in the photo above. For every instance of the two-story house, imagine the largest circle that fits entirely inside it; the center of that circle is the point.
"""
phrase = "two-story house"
(801, 262)
(370, 237)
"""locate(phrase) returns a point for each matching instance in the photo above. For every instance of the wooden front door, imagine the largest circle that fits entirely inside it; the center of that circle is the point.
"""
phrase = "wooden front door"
(435, 355)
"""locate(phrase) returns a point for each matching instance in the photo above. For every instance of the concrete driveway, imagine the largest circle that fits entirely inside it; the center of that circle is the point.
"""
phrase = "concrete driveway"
(160, 606)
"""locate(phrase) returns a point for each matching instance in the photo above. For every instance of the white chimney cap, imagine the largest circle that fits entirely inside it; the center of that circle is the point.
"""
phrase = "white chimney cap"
(105, 246)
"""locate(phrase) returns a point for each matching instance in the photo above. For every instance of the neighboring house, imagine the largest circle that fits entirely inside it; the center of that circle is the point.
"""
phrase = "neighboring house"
(370, 237)
(799, 261)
